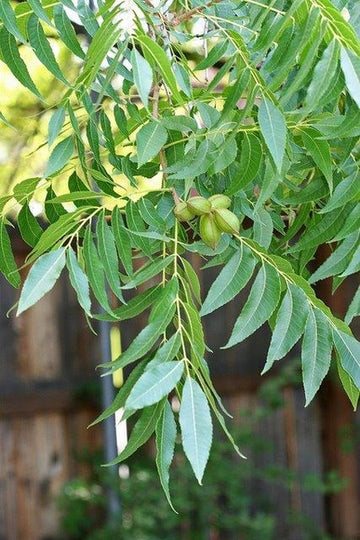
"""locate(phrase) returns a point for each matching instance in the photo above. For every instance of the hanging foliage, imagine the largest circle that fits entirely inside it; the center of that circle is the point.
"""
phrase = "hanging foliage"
(228, 129)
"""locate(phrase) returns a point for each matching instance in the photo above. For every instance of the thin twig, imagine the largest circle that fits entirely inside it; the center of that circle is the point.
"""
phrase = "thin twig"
(155, 111)
(189, 14)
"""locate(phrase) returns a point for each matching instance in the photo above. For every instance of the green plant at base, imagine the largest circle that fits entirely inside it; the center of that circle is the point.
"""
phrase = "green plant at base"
(140, 126)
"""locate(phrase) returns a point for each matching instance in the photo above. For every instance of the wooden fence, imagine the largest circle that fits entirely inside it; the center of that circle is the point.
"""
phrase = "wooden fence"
(48, 356)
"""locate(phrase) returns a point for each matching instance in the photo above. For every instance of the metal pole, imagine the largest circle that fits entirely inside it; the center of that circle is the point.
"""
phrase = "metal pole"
(107, 396)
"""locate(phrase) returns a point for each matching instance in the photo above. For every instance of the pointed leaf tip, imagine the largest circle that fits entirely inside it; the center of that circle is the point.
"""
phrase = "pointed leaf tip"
(196, 426)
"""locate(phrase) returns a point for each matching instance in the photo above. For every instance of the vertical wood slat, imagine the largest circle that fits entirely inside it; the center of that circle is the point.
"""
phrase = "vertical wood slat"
(344, 506)
(309, 459)
(293, 441)
(42, 351)
(8, 528)
(337, 414)
(39, 353)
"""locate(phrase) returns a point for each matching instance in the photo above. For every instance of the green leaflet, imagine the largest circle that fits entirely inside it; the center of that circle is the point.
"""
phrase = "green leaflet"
(143, 75)
(107, 252)
(214, 56)
(209, 115)
(315, 352)
(121, 396)
(42, 49)
(345, 126)
(351, 224)
(150, 215)
(193, 165)
(251, 156)
(183, 79)
(231, 280)
(168, 295)
(316, 189)
(263, 228)
(66, 31)
(94, 142)
(348, 384)
(149, 141)
(3, 202)
(122, 241)
(144, 341)
(165, 446)
(323, 76)
(319, 151)
(8, 19)
(156, 56)
(79, 281)
(195, 329)
(322, 231)
(79, 198)
(104, 37)
(196, 426)
(270, 181)
(354, 264)
(7, 261)
(133, 307)
(223, 156)
(350, 64)
(141, 432)
(148, 271)
(137, 228)
(156, 383)
(192, 279)
(54, 233)
(39, 11)
(10, 54)
(107, 131)
(121, 121)
(30, 229)
(348, 349)
(41, 278)
(166, 352)
(95, 271)
(55, 125)
(60, 156)
(344, 192)
(289, 325)
(5, 122)
(337, 25)
(273, 129)
(338, 261)
(354, 308)
(179, 123)
(261, 303)
(24, 191)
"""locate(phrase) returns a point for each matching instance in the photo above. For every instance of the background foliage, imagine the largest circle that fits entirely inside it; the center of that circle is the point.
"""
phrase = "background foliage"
(148, 105)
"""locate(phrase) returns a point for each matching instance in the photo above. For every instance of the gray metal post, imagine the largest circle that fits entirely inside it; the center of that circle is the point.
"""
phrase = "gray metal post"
(107, 396)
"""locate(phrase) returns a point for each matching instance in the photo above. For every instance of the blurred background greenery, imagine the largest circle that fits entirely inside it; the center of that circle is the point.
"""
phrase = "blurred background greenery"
(23, 133)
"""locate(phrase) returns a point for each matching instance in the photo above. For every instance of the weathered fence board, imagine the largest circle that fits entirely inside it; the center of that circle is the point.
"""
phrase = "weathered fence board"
(47, 356)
